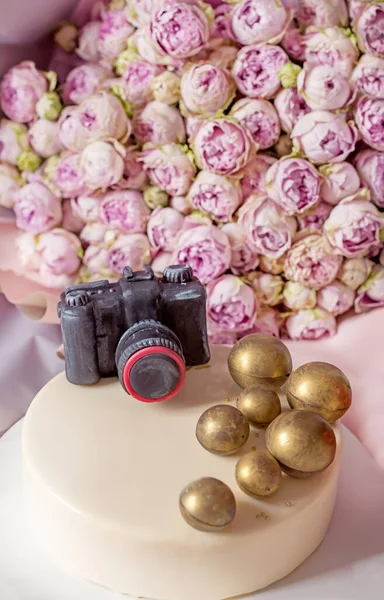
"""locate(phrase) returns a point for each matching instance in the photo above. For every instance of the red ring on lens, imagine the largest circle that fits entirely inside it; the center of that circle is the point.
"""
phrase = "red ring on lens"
(147, 352)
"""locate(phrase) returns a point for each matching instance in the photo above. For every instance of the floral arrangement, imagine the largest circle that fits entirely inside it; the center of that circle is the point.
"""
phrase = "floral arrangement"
(245, 137)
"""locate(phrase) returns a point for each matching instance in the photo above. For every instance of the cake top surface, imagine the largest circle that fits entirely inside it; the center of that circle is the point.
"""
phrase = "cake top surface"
(101, 441)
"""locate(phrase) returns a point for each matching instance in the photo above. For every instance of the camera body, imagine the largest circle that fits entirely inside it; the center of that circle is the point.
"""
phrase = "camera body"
(106, 325)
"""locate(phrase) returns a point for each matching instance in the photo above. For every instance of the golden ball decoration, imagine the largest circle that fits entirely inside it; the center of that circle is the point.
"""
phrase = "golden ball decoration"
(259, 404)
(302, 442)
(222, 429)
(260, 359)
(207, 504)
(320, 387)
(258, 474)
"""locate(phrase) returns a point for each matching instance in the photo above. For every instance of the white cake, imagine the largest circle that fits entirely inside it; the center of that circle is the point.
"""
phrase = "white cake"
(103, 474)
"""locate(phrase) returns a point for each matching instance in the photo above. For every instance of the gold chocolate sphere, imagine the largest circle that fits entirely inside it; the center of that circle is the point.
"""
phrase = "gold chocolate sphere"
(258, 474)
(259, 404)
(260, 359)
(320, 387)
(301, 440)
(222, 429)
(207, 504)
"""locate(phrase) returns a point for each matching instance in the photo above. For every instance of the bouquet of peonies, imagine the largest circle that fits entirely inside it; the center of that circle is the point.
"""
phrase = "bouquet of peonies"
(243, 137)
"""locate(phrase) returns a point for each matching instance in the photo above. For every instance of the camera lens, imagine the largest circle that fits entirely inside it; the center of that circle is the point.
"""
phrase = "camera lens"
(150, 362)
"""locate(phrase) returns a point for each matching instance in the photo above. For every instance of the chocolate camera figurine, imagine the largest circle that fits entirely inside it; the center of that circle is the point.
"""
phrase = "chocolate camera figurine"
(143, 328)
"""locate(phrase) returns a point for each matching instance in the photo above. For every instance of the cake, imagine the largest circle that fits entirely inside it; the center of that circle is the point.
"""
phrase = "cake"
(104, 468)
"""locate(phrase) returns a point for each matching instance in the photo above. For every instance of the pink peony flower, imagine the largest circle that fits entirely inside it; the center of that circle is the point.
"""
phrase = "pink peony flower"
(268, 232)
(261, 120)
(133, 250)
(254, 180)
(37, 210)
(267, 321)
(20, 89)
(294, 43)
(99, 117)
(83, 81)
(371, 293)
(332, 46)
(223, 146)
(324, 137)
(138, 79)
(164, 227)
(169, 167)
(268, 288)
(369, 117)
(354, 226)
(159, 124)
(206, 90)
(324, 88)
(298, 297)
(231, 304)
(102, 164)
(87, 208)
(322, 13)
(13, 141)
(311, 325)
(369, 28)
(179, 29)
(181, 204)
(134, 176)
(124, 210)
(336, 298)
(256, 70)
(44, 138)
(309, 263)
(294, 184)
(370, 167)
(314, 220)
(206, 249)
(258, 21)
(244, 259)
(113, 33)
(65, 174)
(87, 47)
(290, 107)
(368, 76)
(340, 180)
(93, 234)
(10, 182)
(161, 261)
(71, 222)
(60, 251)
(147, 48)
(215, 195)
(355, 271)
